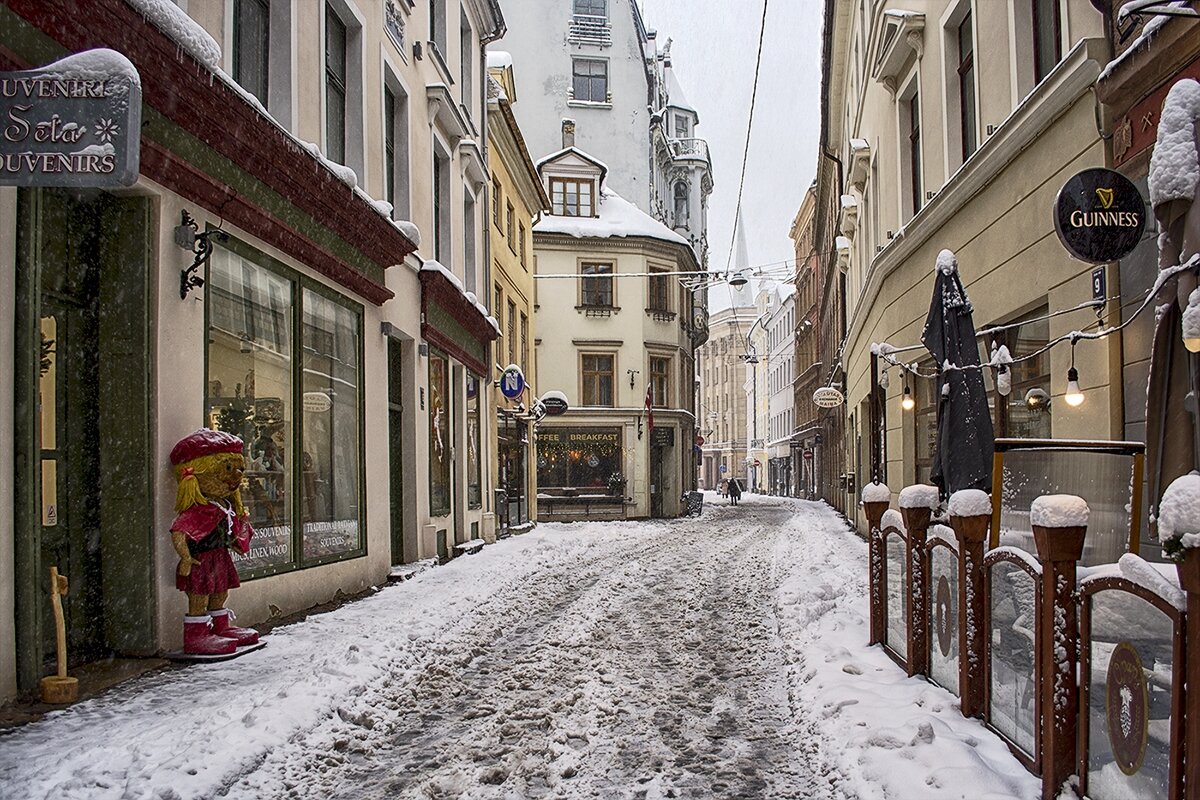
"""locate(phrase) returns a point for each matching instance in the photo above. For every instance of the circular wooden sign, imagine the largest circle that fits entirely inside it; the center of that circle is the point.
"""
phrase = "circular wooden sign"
(1099, 215)
(1126, 706)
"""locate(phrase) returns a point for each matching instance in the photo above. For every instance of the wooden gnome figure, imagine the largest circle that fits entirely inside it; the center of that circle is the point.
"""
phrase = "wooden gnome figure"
(211, 519)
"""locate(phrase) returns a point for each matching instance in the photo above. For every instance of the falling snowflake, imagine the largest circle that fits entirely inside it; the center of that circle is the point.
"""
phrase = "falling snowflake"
(107, 130)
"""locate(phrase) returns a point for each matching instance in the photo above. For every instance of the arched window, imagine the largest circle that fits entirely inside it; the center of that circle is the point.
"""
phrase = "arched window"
(681, 205)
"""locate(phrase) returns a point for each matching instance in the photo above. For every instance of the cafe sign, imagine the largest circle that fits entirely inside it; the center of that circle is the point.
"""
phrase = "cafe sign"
(75, 122)
(1099, 216)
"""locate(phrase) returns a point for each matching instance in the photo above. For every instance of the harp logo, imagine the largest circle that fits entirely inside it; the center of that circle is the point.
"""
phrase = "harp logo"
(1106, 197)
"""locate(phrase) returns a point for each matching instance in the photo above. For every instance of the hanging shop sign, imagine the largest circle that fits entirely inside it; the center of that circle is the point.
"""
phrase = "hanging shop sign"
(1099, 215)
(662, 437)
(828, 397)
(76, 122)
(555, 403)
(512, 382)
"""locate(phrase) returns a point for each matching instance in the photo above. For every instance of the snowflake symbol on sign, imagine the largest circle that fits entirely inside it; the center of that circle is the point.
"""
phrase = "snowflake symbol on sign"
(106, 130)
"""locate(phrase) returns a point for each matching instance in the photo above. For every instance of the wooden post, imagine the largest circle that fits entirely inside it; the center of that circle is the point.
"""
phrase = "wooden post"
(1189, 580)
(1058, 549)
(971, 533)
(59, 688)
(874, 512)
(916, 523)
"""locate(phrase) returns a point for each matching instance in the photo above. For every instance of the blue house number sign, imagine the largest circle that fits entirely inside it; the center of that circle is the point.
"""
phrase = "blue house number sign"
(512, 382)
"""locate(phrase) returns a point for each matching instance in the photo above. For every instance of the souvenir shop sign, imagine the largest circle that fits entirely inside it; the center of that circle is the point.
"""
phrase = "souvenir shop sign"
(75, 122)
(1099, 215)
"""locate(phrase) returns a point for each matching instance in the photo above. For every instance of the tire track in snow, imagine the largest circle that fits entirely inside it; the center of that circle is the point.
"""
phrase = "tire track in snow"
(648, 667)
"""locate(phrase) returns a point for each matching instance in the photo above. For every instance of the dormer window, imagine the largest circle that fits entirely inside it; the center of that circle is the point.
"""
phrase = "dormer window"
(573, 197)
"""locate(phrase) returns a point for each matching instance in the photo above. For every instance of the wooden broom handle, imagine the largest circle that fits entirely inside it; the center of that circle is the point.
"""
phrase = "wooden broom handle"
(59, 588)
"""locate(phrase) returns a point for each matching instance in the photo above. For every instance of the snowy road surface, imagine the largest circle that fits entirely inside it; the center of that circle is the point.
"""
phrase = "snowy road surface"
(720, 657)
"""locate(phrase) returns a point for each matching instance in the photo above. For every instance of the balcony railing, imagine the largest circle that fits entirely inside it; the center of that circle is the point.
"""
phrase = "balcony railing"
(689, 148)
(588, 29)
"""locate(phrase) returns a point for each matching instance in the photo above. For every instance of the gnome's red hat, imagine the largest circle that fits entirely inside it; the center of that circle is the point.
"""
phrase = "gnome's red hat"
(205, 442)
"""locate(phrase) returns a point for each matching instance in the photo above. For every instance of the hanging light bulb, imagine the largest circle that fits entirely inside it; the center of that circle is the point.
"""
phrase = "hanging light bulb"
(907, 402)
(1074, 395)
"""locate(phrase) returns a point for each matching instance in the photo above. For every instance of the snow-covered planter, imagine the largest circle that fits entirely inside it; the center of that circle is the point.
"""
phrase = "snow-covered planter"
(876, 493)
(1179, 517)
(970, 503)
(920, 495)
(1059, 511)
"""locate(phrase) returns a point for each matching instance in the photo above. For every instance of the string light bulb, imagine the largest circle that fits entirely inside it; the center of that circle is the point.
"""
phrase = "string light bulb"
(1074, 395)
(907, 402)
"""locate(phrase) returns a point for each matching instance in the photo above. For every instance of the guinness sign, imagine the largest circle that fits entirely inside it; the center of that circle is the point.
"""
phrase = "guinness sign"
(1099, 215)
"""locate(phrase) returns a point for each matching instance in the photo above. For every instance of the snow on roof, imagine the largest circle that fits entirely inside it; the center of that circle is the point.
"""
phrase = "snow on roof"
(576, 151)
(841, 243)
(859, 144)
(436, 266)
(498, 59)
(675, 96)
(849, 201)
(617, 218)
(186, 32)
(1175, 163)
(1059, 511)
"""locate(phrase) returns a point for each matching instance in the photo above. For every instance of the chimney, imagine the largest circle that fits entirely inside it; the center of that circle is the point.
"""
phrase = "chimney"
(568, 133)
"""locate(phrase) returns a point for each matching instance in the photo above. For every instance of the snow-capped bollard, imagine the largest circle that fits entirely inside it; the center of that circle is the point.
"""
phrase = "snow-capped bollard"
(876, 497)
(970, 516)
(1179, 532)
(917, 504)
(1059, 527)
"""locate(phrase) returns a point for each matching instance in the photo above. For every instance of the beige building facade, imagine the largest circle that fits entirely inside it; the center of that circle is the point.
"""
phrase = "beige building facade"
(723, 398)
(323, 332)
(615, 336)
(956, 124)
(517, 200)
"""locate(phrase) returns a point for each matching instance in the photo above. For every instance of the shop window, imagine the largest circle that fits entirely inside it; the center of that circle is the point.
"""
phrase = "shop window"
(587, 459)
(660, 381)
(294, 400)
(597, 379)
(596, 287)
(474, 454)
(440, 441)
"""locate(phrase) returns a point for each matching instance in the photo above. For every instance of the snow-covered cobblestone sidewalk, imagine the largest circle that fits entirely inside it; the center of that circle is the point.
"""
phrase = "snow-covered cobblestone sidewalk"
(712, 657)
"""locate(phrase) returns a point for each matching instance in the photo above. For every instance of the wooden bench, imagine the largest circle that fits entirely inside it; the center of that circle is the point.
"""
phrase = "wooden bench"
(579, 507)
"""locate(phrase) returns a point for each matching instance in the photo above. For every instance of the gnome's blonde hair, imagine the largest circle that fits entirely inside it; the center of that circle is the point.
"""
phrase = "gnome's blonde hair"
(188, 494)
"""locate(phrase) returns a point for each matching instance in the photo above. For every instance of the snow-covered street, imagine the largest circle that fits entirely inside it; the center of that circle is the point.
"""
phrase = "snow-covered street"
(719, 657)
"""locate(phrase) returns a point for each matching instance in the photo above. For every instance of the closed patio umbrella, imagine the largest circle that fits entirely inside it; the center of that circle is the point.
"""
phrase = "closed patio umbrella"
(963, 457)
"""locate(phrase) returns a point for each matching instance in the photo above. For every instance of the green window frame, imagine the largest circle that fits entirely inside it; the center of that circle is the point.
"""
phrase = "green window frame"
(291, 481)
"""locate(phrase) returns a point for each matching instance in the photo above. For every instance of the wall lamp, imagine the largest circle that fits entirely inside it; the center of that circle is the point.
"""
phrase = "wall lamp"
(188, 236)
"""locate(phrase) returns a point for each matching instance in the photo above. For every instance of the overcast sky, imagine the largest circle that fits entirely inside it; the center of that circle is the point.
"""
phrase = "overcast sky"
(713, 52)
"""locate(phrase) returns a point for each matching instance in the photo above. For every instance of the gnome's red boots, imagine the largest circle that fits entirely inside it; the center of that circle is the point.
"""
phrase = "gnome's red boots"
(222, 618)
(198, 639)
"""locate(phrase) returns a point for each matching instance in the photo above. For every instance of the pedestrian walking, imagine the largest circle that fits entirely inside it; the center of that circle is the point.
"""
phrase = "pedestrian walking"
(735, 491)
